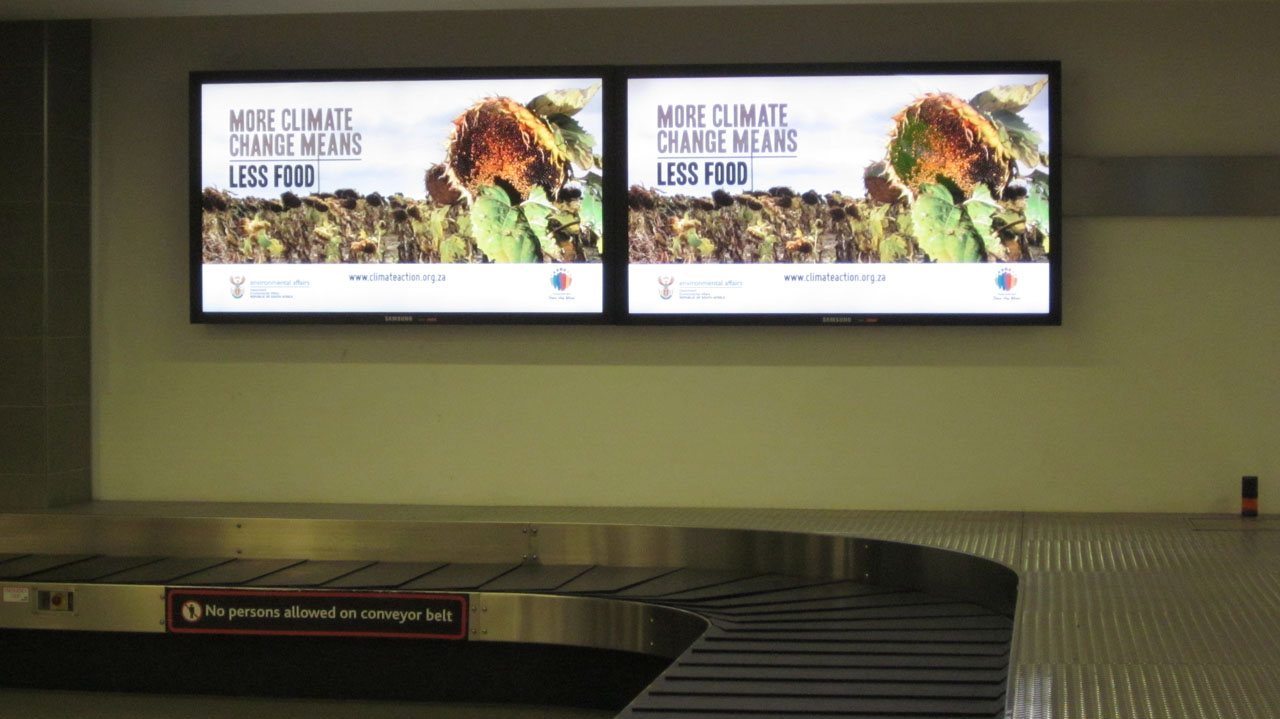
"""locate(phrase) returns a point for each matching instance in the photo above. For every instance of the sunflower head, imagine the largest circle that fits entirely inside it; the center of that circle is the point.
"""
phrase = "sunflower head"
(940, 138)
(499, 142)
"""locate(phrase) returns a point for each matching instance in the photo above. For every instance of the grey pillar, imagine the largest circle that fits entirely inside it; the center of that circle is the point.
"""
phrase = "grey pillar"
(44, 263)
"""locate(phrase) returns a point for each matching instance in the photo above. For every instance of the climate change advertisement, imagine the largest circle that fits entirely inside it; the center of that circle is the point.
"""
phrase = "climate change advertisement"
(839, 194)
(401, 196)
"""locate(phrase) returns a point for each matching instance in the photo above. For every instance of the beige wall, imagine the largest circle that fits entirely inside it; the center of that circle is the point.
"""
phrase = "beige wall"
(1156, 394)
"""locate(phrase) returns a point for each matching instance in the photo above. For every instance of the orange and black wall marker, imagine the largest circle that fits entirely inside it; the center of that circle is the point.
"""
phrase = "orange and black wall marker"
(1249, 497)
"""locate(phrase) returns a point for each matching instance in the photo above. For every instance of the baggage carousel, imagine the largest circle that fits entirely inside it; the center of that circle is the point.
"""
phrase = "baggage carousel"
(653, 612)
(659, 620)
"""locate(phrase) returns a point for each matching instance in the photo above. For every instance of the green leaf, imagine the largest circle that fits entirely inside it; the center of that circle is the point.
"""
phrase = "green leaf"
(562, 102)
(436, 221)
(1009, 98)
(894, 248)
(591, 209)
(982, 209)
(943, 230)
(500, 230)
(876, 218)
(703, 246)
(537, 211)
(1038, 205)
(576, 142)
(453, 249)
(1022, 138)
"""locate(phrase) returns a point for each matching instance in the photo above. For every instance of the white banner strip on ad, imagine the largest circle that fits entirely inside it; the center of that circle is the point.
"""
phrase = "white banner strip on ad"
(978, 288)
(422, 288)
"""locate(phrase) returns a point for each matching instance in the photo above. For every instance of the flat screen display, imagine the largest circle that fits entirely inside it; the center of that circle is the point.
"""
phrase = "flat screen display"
(843, 194)
(397, 196)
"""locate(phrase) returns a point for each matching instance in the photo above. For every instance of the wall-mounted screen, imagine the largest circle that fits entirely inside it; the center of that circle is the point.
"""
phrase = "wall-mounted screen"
(843, 194)
(398, 196)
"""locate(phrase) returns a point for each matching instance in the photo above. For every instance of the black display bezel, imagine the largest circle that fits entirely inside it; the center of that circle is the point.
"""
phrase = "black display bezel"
(199, 79)
(615, 309)
(1050, 68)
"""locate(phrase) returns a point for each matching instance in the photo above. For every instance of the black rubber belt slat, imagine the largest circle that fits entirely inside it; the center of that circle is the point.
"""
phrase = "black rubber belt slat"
(606, 580)
(776, 688)
(35, 563)
(836, 590)
(855, 647)
(691, 670)
(745, 705)
(164, 571)
(308, 574)
(731, 657)
(910, 636)
(8, 557)
(683, 580)
(238, 571)
(744, 588)
(939, 610)
(460, 576)
(896, 599)
(977, 621)
(384, 575)
(91, 569)
(535, 578)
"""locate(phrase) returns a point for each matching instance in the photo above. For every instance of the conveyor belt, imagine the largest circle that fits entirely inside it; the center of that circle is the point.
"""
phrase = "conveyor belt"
(777, 645)
(786, 646)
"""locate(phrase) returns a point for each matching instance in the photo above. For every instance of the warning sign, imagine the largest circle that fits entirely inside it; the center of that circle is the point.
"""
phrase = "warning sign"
(306, 613)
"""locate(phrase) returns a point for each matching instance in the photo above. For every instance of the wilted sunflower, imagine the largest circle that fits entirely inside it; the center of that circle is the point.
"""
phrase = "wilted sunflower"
(942, 138)
(498, 141)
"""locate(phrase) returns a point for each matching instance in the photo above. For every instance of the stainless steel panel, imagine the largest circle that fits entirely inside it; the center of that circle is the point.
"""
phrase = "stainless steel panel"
(97, 607)
(801, 554)
(583, 622)
(647, 546)
(260, 537)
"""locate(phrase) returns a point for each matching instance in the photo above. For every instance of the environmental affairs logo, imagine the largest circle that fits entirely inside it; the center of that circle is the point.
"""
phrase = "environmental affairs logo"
(666, 282)
(1006, 280)
(237, 286)
(561, 279)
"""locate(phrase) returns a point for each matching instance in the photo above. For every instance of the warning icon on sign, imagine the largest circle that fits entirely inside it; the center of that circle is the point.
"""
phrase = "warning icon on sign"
(192, 611)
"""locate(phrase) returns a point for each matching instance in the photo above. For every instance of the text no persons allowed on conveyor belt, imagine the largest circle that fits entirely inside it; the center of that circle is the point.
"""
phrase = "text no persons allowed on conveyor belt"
(312, 613)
